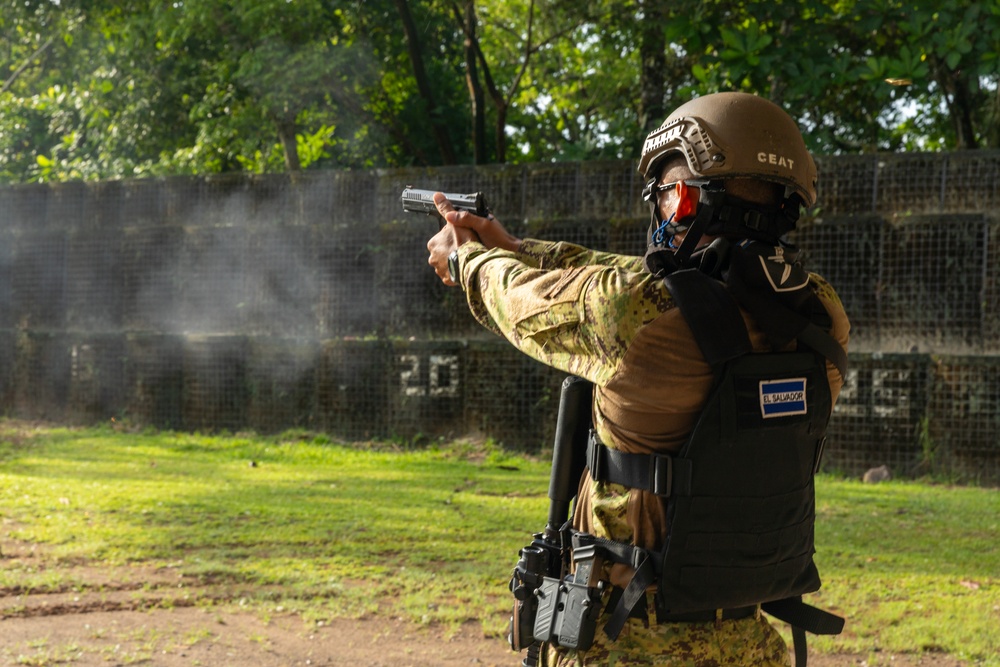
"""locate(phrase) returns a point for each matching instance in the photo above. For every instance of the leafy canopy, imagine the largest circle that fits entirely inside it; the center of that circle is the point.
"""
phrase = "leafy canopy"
(133, 88)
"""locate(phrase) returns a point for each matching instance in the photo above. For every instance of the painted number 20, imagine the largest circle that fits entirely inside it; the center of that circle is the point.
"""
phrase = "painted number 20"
(440, 378)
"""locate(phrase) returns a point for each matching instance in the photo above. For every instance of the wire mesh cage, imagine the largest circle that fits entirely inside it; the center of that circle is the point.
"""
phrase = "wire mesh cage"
(305, 301)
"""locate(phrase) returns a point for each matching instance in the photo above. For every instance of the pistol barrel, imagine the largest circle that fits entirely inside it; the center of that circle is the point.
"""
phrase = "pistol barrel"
(422, 201)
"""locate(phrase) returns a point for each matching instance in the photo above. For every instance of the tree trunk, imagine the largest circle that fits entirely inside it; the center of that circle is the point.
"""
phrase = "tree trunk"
(964, 126)
(653, 54)
(501, 100)
(475, 87)
(501, 133)
(958, 100)
(289, 144)
(991, 134)
(423, 83)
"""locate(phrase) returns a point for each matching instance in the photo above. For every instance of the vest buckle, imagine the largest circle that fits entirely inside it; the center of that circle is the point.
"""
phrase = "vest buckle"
(661, 474)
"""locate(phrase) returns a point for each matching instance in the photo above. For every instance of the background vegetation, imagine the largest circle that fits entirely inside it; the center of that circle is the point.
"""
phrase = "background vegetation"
(329, 530)
(101, 89)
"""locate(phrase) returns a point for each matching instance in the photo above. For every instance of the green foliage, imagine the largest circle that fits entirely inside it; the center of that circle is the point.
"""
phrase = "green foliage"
(119, 89)
(327, 530)
(864, 75)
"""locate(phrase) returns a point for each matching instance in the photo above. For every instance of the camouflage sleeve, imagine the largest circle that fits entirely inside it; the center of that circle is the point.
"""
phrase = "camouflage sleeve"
(547, 255)
(556, 308)
(840, 329)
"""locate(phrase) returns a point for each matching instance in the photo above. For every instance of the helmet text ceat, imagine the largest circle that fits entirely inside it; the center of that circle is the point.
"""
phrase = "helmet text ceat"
(734, 135)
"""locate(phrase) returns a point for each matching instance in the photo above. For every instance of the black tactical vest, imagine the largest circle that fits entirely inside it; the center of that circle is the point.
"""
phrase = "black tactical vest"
(741, 520)
(740, 494)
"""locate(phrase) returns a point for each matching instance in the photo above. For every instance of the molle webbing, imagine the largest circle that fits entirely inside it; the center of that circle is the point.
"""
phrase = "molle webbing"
(739, 495)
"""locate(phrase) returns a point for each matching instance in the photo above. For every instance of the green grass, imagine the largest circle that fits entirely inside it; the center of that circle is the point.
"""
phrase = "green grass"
(914, 566)
(331, 530)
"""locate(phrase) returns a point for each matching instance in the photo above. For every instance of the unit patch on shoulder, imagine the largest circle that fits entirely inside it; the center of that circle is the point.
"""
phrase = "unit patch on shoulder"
(783, 398)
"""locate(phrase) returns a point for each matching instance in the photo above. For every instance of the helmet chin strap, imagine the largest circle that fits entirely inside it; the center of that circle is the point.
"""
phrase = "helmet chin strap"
(662, 257)
(717, 214)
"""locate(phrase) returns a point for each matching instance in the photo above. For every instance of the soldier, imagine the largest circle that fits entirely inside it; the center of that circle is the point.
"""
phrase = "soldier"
(726, 176)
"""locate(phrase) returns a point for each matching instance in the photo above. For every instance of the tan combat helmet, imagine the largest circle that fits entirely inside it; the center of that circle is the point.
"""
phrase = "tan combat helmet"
(734, 135)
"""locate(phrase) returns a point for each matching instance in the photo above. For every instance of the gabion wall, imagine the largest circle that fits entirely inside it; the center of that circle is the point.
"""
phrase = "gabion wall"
(279, 302)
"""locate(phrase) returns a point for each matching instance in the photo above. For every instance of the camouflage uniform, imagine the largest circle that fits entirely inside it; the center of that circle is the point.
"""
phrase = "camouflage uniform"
(602, 317)
(739, 643)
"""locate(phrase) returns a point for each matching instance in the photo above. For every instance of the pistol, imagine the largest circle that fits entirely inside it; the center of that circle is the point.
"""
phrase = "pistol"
(422, 201)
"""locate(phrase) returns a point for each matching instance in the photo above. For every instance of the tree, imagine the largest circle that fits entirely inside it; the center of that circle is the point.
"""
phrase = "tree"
(424, 83)
(512, 61)
(863, 74)
(125, 88)
(949, 51)
(146, 88)
(571, 76)
(273, 80)
(35, 43)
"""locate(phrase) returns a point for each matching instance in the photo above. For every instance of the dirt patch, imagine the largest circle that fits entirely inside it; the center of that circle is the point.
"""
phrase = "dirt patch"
(134, 615)
(223, 638)
(156, 616)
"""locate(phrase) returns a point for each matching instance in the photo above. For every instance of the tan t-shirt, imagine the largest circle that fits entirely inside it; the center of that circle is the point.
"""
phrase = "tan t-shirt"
(602, 317)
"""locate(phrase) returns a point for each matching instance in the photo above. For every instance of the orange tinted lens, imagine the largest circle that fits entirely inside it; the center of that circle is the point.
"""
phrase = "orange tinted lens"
(687, 201)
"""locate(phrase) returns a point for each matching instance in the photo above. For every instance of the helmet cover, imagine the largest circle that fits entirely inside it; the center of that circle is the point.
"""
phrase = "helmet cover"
(734, 135)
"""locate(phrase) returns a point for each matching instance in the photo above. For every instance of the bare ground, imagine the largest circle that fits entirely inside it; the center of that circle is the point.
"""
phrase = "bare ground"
(146, 616)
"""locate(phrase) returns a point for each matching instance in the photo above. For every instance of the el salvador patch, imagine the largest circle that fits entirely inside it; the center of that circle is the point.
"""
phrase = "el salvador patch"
(782, 398)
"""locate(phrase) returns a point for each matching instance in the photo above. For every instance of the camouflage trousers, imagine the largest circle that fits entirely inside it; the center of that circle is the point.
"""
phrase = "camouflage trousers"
(746, 642)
